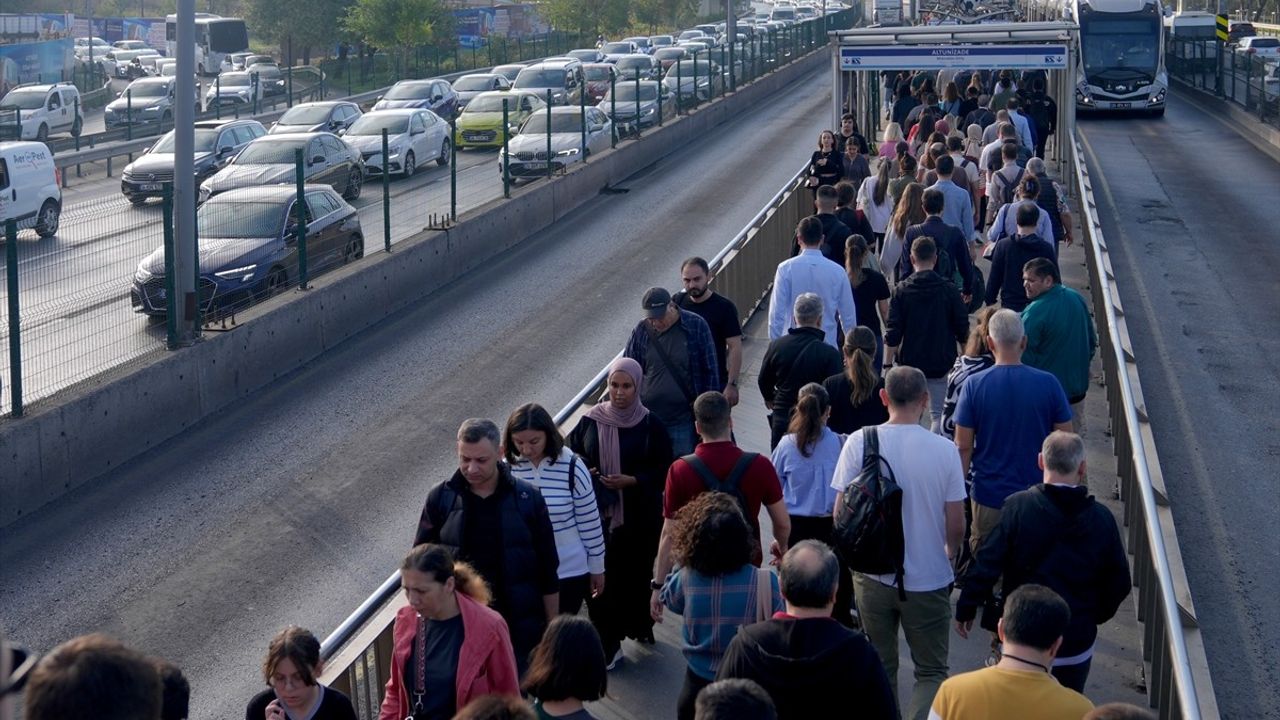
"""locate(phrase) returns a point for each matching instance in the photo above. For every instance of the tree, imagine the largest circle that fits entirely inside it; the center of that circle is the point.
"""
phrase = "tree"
(307, 23)
(589, 16)
(401, 24)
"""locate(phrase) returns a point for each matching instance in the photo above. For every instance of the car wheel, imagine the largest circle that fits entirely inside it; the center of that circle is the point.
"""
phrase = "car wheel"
(410, 165)
(43, 133)
(355, 181)
(354, 249)
(47, 220)
(76, 128)
(443, 160)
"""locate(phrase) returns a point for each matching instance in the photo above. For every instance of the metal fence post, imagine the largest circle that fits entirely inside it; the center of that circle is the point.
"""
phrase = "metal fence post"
(195, 266)
(733, 78)
(217, 97)
(613, 110)
(349, 93)
(660, 87)
(506, 157)
(711, 78)
(170, 281)
(637, 102)
(582, 119)
(15, 325)
(256, 89)
(549, 155)
(75, 119)
(128, 116)
(300, 205)
(679, 89)
(386, 193)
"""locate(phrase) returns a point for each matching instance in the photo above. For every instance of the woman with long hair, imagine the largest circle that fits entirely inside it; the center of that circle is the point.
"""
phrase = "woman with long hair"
(714, 587)
(566, 669)
(448, 646)
(292, 670)
(976, 358)
(950, 102)
(870, 290)
(875, 202)
(907, 212)
(856, 165)
(855, 393)
(889, 141)
(826, 165)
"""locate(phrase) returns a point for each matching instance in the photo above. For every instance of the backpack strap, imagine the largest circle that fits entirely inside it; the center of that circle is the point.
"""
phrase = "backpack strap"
(714, 483)
(734, 480)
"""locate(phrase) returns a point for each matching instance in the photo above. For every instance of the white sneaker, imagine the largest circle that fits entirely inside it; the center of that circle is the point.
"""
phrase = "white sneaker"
(618, 657)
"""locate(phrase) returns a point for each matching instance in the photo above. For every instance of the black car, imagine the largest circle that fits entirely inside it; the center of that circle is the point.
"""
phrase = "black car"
(330, 115)
(216, 142)
(272, 160)
(1240, 30)
(249, 247)
(270, 78)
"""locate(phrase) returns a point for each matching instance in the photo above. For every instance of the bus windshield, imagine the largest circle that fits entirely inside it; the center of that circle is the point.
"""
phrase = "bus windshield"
(1120, 45)
(227, 35)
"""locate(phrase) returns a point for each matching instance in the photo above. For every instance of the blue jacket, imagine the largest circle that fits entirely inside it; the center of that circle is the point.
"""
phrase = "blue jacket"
(702, 351)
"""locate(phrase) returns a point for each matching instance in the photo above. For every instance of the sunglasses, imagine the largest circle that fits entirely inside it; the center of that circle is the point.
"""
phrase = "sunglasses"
(23, 661)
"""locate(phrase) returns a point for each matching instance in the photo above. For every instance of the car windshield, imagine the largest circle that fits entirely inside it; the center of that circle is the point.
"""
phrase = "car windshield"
(627, 93)
(529, 78)
(686, 68)
(25, 99)
(597, 73)
(690, 34)
(628, 63)
(473, 82)
(205, 138)
(273, 152)
(264, 71)
(149, 89)
(375, 124)
(560, 123)
(305, 115)
(617, 47)
(662, 40)
(237, 79)
(238, 219)
(493, 103)
(584, 54)
(1264, 42)
(783, 14)
(409, 91)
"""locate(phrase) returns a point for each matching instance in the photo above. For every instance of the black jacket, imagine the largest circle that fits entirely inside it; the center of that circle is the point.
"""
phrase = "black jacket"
(1005, 280)
(812, 668)
(1059, 537)
(834, 235)
(946, 237)
(857, 224)
(794, 360)
(927, 318)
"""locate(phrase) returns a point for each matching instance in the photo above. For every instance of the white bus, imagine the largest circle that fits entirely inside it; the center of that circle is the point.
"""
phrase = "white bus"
(1121, 54)
(216, 37)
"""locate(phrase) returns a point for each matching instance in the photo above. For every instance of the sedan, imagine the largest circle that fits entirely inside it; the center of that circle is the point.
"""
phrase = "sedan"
(642, 43)
(273, 159)
(269, 78)
(614, 50)
(643, 65)
(216, 142)
(623, 108)
(233, 88)
(249, 247)
(413, 137)
(694, 78)
(600, 77)
(660, 41)
(437, 95)
(480, 124)
(563, 125)
(668, 56)
(469, 86)
(331, 116)
(586, 55)
(508, 71)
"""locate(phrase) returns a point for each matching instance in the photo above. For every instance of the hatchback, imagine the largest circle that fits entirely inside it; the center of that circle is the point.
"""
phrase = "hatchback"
(331, 116)
(437, 95)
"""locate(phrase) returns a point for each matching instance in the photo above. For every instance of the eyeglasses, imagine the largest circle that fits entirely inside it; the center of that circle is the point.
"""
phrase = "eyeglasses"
(23, 661)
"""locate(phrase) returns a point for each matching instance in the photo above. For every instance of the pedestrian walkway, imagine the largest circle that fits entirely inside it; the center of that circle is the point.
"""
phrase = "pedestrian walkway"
(647, 684)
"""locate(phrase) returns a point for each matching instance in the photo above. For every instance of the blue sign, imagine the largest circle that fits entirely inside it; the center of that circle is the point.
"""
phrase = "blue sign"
(971, 57)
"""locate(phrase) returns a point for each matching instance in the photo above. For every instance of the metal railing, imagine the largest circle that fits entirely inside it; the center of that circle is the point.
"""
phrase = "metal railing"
(1179, 683)
(1247, 80)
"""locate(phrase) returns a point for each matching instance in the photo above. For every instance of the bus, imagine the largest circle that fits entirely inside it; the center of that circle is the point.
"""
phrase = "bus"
(1120, 61)
(216, 37)
(1193, 42)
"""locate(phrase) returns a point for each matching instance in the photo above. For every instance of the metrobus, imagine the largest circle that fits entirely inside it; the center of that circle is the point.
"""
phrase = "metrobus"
(216, 37)
(1120, 61)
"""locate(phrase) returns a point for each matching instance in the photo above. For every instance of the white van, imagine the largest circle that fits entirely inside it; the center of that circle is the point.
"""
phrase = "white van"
(29, 188)
(45, 110)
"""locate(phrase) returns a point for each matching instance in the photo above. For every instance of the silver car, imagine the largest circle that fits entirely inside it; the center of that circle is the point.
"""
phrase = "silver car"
(414, 136)
(560, 127)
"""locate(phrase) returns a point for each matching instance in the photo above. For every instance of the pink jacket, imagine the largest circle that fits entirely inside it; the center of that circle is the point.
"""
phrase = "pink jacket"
(486, 663)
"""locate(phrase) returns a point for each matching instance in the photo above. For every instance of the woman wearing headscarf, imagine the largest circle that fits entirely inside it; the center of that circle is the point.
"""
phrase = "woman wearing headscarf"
(628, 452)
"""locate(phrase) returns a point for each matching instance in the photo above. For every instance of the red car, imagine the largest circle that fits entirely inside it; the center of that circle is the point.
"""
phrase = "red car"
(599, 77)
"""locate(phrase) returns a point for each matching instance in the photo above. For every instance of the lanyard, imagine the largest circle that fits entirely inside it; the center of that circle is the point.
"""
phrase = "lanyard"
(420, 679)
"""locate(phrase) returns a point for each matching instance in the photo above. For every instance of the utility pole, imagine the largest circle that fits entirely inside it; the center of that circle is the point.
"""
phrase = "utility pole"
(185, 261)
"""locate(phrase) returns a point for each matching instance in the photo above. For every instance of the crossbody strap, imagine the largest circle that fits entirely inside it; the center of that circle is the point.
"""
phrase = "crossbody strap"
(671, 366)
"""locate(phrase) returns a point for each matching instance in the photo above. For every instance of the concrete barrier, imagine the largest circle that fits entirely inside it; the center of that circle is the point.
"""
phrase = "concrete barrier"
(90, 430)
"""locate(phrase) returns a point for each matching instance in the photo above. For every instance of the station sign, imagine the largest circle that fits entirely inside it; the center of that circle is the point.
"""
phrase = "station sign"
(936, 57)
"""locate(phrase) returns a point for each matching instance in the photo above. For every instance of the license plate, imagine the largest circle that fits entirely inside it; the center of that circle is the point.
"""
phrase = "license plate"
(150, 187)
(1121, 105)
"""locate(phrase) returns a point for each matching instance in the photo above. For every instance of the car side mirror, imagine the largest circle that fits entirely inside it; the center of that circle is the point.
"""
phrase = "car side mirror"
(225, 150)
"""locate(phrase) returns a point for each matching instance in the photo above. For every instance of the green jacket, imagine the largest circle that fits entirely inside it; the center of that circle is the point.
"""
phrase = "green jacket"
(1060, 338)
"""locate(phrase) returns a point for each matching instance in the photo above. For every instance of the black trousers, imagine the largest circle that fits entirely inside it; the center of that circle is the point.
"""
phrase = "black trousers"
(693, 684)
(819, 528)
(573, 592)
(1073, 676)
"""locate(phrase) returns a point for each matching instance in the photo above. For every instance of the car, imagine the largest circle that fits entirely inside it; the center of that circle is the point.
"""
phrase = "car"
(216, 142)
(257, 60)
(668, 56)
(806, 13)
(272, 159)
(695, 47)
(622, 107)
(29, 187)
(562, 80)
(599, 78)
(709, 29)
(158, 69)
(587, 55)
(42, 110)
(690, 35)
(660, 41)
(169, 69)
(96, 45)
(1240, 30)
(233, 88)
(783, 14)
(248, 247)
(508, 71)
(614, 50)
(527, 151)
(234, 61)
(414, 136)
(480, 124)
(643, 65)
(694, 79)
(147, 64)
(270, 78)
(328, 115)
(1260, 45)
(130, 45)
(146, 101)
(119, 63)
(469, 86)
(641, 42)
(436, 95)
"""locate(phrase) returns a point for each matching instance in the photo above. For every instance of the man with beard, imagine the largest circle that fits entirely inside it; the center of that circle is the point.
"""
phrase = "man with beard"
(721, 316)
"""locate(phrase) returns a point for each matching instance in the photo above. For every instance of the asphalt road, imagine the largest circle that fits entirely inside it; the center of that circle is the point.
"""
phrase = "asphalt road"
(293, 506)
(1190, 212)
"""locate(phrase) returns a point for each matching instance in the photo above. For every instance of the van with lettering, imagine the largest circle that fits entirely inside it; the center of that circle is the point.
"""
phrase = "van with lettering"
(29, 188)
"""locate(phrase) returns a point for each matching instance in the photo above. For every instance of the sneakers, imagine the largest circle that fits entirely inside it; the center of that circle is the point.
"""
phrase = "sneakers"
(618, 657)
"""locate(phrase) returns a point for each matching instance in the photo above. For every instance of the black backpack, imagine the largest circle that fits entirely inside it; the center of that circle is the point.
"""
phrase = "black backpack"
(1038, 113)
(868, 519)
(731, 485)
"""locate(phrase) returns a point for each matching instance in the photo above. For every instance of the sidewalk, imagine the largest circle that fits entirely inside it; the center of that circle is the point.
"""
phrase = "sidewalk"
(645, 686)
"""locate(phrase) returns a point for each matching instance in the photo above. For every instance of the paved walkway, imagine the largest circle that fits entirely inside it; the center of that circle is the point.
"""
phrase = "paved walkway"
(647, 684)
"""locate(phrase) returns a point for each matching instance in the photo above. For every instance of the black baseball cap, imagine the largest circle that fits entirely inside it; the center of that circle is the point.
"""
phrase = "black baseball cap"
(655, 302)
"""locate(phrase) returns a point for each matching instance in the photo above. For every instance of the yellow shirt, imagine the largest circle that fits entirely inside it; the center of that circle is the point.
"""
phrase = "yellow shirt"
(995, 693)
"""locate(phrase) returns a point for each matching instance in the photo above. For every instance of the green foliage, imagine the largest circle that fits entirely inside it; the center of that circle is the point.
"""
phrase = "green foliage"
(309, 23)
(590, 16)
(400, 24)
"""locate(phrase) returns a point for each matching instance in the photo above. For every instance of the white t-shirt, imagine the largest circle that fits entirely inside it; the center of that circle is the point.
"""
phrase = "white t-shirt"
(927, 467)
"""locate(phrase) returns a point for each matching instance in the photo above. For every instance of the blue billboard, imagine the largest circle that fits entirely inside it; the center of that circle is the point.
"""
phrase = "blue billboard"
(34, 62)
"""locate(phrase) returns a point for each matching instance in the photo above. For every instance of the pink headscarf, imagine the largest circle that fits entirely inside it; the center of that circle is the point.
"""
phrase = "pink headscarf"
(608, 420)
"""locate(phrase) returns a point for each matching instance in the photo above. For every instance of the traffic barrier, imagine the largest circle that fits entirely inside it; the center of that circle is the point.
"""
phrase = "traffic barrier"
(1244, 80)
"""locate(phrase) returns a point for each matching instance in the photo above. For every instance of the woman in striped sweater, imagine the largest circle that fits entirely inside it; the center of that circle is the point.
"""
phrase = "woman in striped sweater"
(537, 454)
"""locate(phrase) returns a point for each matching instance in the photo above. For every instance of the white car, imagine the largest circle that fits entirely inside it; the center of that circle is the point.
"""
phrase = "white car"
(1261, 45)
(528, 149)
(414, 136)
(29, 191)
(615, 50)
(44, 110)
(99, 46)
(233, 88)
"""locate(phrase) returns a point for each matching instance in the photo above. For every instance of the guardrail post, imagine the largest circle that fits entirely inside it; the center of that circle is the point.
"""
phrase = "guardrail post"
(637, 102)
(15, 325)
(453, 168)
(300, 206)
(711, 78)
(582, 121)
(679, 89)
(77, 117)
(613, 110)
(128, 105)
(660, 88)
(195, 265)
(170, 281)
(217, 97)
(733, 79)
(1248, 80)
(386, 192)
(506, 157)
(289, 79)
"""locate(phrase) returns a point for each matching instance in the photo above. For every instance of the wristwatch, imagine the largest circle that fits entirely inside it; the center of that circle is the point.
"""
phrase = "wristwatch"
(655, 585)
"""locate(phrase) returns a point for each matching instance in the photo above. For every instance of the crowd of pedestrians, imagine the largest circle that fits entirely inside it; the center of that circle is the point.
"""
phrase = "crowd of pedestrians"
(883, 369)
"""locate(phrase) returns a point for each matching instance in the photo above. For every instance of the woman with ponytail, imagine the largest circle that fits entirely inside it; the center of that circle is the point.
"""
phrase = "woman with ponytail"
(855, 393)
(448, 646)
(806, 460)
(870, 289)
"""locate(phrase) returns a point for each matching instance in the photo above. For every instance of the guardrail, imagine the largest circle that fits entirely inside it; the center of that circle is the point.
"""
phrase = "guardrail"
(1267, 29)
(1179, 683)
(1247, 80)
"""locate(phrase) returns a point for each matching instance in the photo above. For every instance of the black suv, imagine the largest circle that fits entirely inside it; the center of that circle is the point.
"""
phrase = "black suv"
(216, 142)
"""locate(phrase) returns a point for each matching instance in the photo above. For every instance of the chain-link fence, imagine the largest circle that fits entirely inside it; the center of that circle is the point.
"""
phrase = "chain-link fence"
(1250, 80)
(92, 287)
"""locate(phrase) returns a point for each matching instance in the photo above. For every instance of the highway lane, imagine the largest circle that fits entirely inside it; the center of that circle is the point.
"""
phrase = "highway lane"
(1193, 237)
(293, 506)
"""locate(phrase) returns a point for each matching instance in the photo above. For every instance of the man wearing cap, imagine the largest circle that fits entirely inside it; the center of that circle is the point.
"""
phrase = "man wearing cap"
(675, 349)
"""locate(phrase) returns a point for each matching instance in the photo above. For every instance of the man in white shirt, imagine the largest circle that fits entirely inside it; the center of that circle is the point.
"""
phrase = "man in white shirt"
(811, 272)
(955, 148)
(990, 132)
(927, 468)
(1021, 122)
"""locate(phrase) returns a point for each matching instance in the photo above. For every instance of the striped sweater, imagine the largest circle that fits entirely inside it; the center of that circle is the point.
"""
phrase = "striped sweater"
(574, 515)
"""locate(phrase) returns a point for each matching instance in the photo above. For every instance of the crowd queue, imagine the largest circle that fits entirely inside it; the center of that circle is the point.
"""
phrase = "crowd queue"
(891, 354)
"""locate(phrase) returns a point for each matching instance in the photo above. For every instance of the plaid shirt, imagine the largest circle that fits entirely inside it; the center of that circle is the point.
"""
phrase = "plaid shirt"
(713, 609)
(703, 372)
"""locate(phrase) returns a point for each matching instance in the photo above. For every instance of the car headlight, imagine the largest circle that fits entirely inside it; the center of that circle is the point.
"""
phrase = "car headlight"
(153, 108)
(567, 153)
(245, 273)
(649, 111)
(143, 275)
(394, 150)
(205, 192)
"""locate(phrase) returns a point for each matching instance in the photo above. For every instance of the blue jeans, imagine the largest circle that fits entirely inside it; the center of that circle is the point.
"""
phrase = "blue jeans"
(683, 437)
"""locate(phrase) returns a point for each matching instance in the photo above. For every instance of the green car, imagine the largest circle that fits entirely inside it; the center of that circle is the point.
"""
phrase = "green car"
(480, 124)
